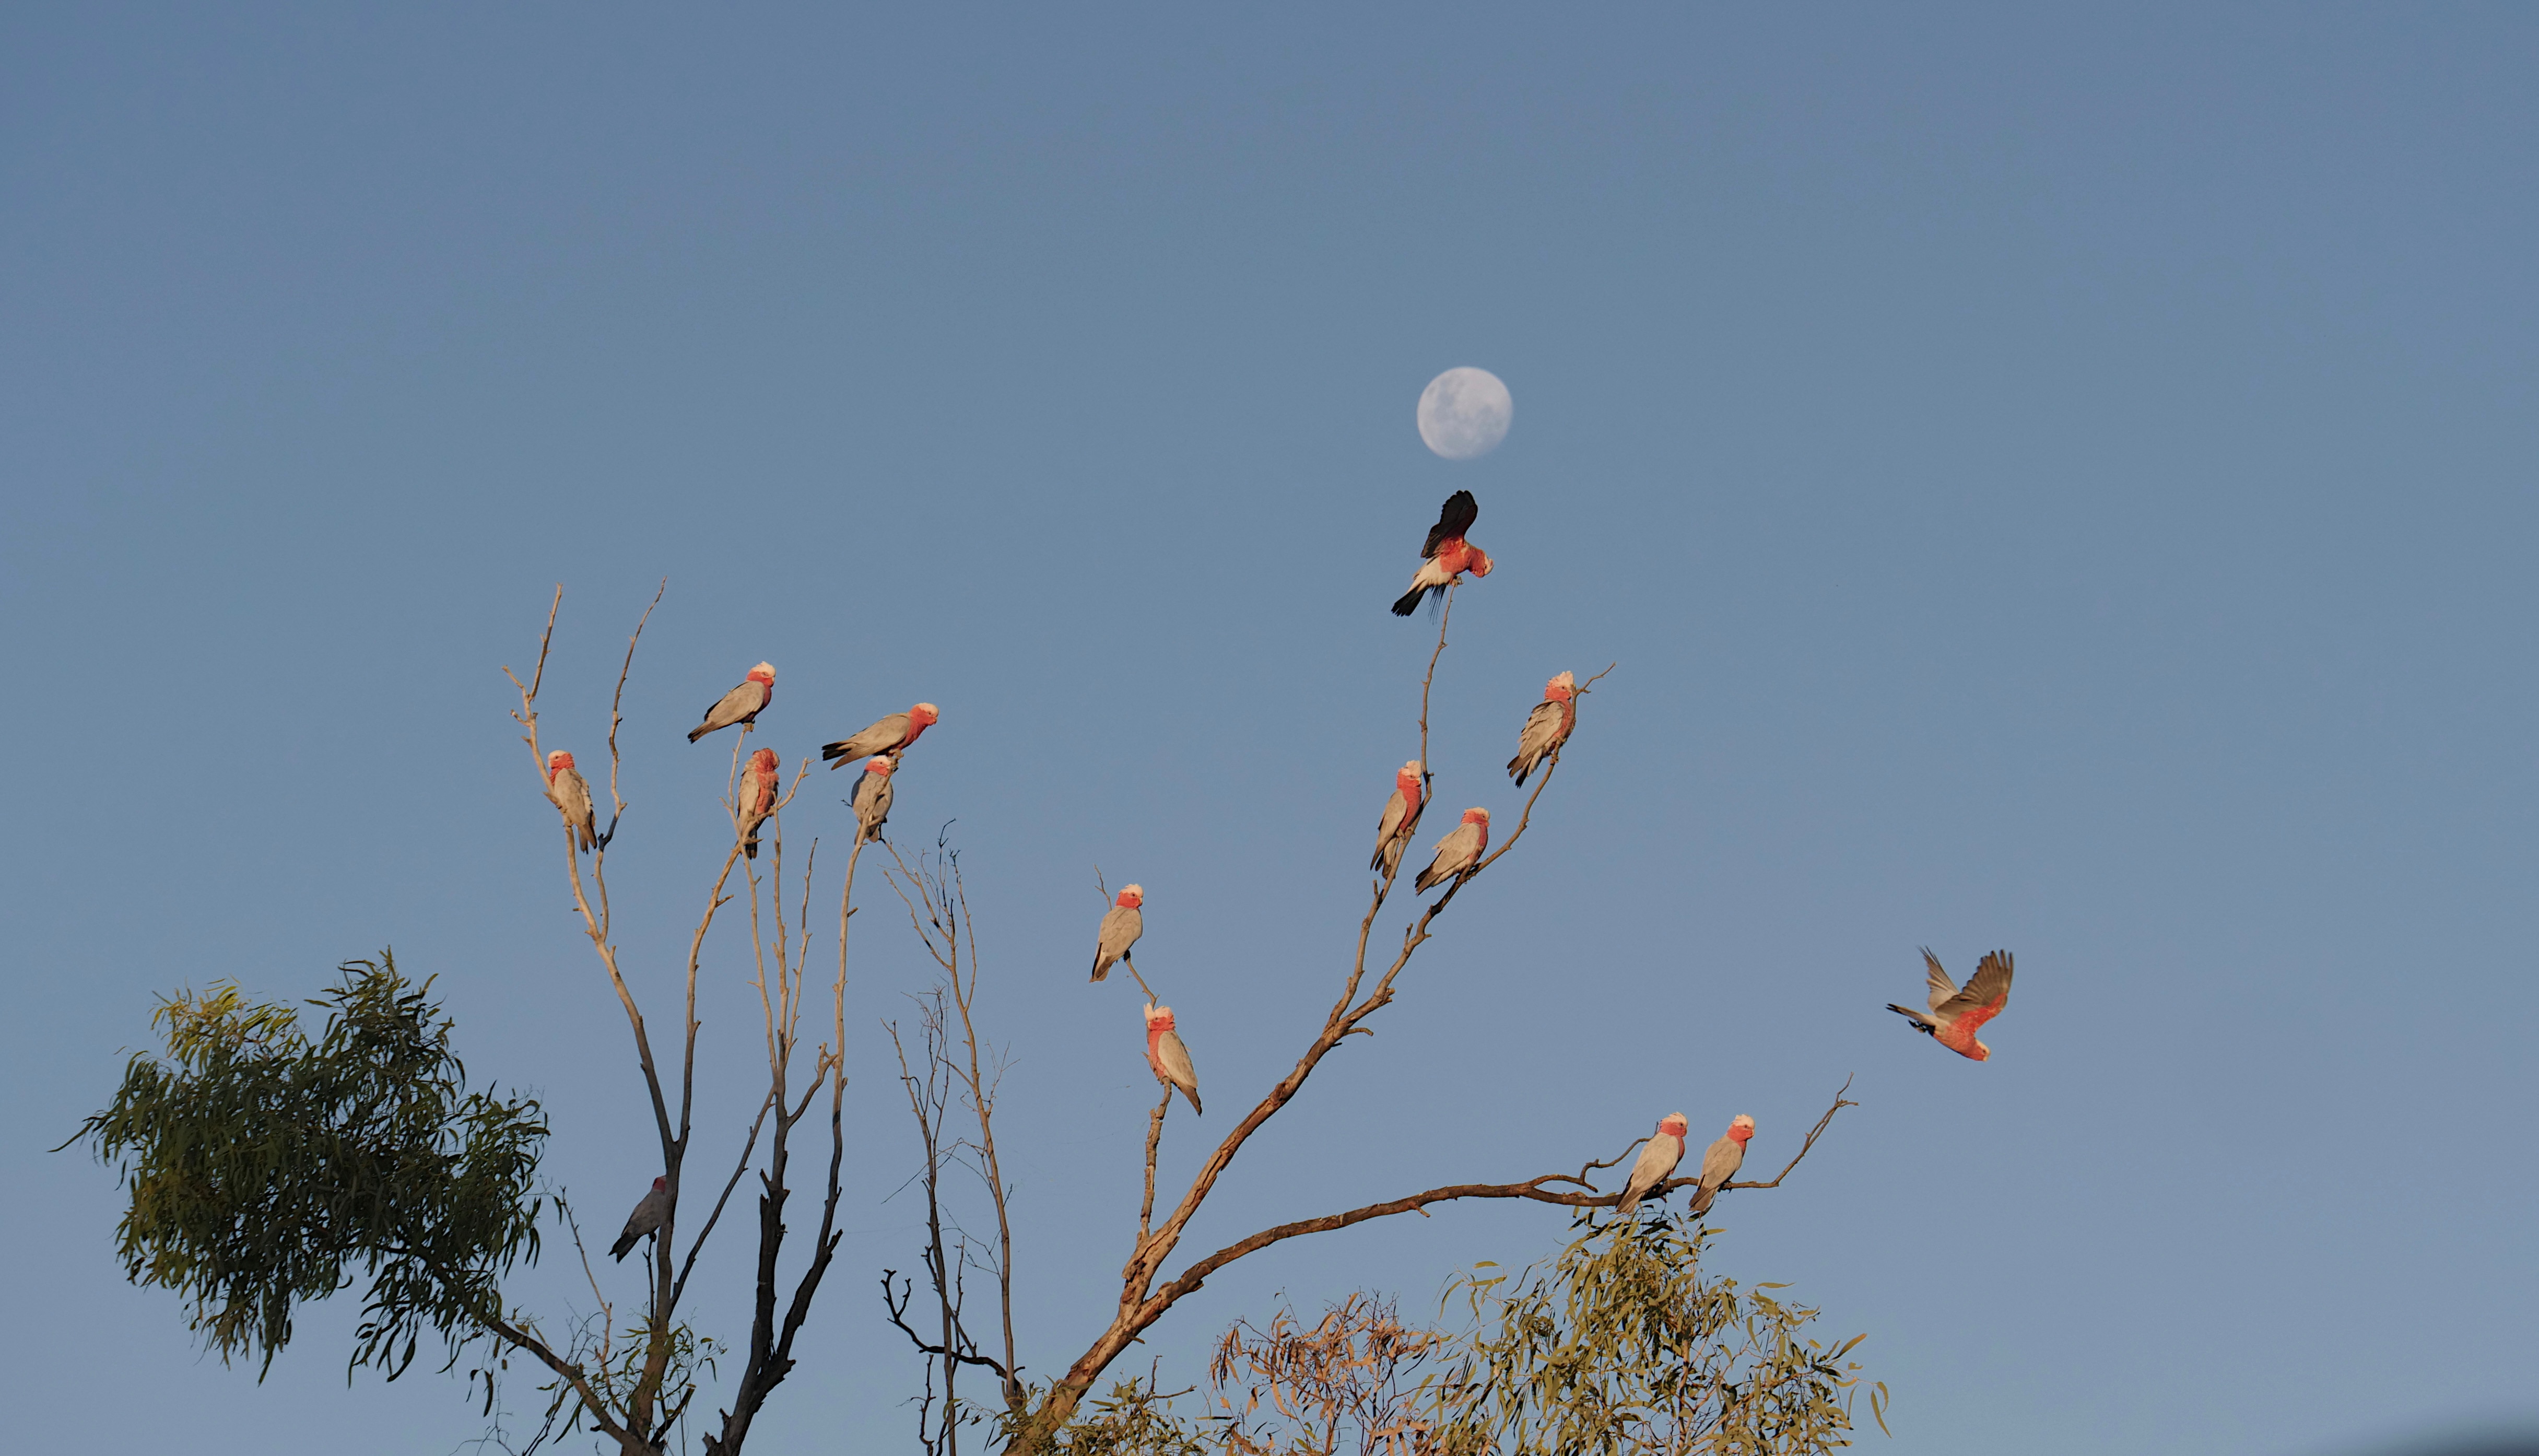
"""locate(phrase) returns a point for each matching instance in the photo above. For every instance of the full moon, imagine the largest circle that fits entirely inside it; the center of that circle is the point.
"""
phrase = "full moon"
(1464, 413)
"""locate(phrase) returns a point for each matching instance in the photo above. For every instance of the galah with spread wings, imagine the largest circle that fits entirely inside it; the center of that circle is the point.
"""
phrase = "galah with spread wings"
(872, 796)
(1722, 1161)
(1166, 1053)
(1446, 553)
(1122, 924)
(1400, 821)
(742, 704)
(1657, 1162)
(646, 1219)
(758, 798)
(1546, 728)
(567, 791)
(1957, 1015)
(1458, 851)
(889, 735)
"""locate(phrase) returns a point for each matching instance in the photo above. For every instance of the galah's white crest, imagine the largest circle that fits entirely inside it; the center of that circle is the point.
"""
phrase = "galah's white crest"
(1957, 1015)
(1122, 924)
(645, 1219)
(565, 786)
(1722, 1161)
(1458, 851)
(1657, 1162)
(758, 798)
(872, 798)
(741, 703)
(889, 735)
(1446, 553)
(1166, 1053)
(1400, 821)
(1546, 728)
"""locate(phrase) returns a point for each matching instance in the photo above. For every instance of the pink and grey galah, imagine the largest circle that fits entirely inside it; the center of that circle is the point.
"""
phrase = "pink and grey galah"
(1546, 728)
(872, 796)
(1446, 553)
(1957, 1015)
(1400, 821)
(1458, 851)
(645, 1219)
(1722, 1161)
(758, 798)
(1657, 1162)
(1166, 1053)
(566, 788)
(889, 735)
(1122, 924)
(742, 704)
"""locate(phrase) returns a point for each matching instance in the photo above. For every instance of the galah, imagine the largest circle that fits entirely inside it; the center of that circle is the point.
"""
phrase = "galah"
(872, 798)
(1166, 1053)
(758, 798)
(1400, 821)
(1657, 1162)
(1122, 924)
(742, 704)
(1458, 851)
(1957, 1015)
(645, 1219)
(1546, 728)
(1722, 1161)
(889, 735)
(1446, 553)
(570, 793)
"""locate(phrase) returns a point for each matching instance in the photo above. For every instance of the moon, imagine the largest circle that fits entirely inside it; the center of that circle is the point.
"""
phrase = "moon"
(1464, 413)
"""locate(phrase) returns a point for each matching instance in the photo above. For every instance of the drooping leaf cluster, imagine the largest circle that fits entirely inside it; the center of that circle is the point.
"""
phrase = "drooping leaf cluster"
(1621, 1346)
(266, 1167)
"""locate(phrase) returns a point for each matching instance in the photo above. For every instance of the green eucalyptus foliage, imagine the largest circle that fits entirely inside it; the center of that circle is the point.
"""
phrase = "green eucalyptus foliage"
(1620, 1346)
(265, 1167)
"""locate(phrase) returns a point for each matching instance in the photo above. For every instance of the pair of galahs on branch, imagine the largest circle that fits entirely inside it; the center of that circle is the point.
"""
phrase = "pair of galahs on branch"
(1664, 1149)
(758, 787)
(880, 746)
(1122, 924)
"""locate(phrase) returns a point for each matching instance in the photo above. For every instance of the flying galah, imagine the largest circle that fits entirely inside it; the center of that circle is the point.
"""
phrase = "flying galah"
(889, 735)
(1122, 924)
(1166, 1053)
(566, 788)
(1722, 1161)
(872, 798)
(645, 1219)
(1400, 821)
(757, 798)
(1657, 1162)
(1446, 553)
(742, 704)
(1458, 851)
(1957, 1015)
(1546, 728)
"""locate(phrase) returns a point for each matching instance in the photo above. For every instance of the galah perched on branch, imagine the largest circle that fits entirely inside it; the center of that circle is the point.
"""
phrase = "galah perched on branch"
(889, 735)
(1458, 851)
(1166, 1053)
(566, 788)
(1400, 821)
(1957, 1015)
(742, 704)
(1657, 1162)
(1446, 553)
(1546, 728)
(1122, 924)
(646, 1219)
(758, 798)
(872, 798)
(1722, 1161)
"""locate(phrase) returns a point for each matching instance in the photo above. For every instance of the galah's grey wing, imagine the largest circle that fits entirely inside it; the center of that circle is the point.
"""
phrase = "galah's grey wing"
(1941, 988)
(1176, 1060)
(1989, 987)
(883, 735)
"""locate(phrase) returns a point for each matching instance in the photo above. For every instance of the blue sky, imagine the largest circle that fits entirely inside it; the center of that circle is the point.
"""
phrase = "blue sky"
(2051, 480)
